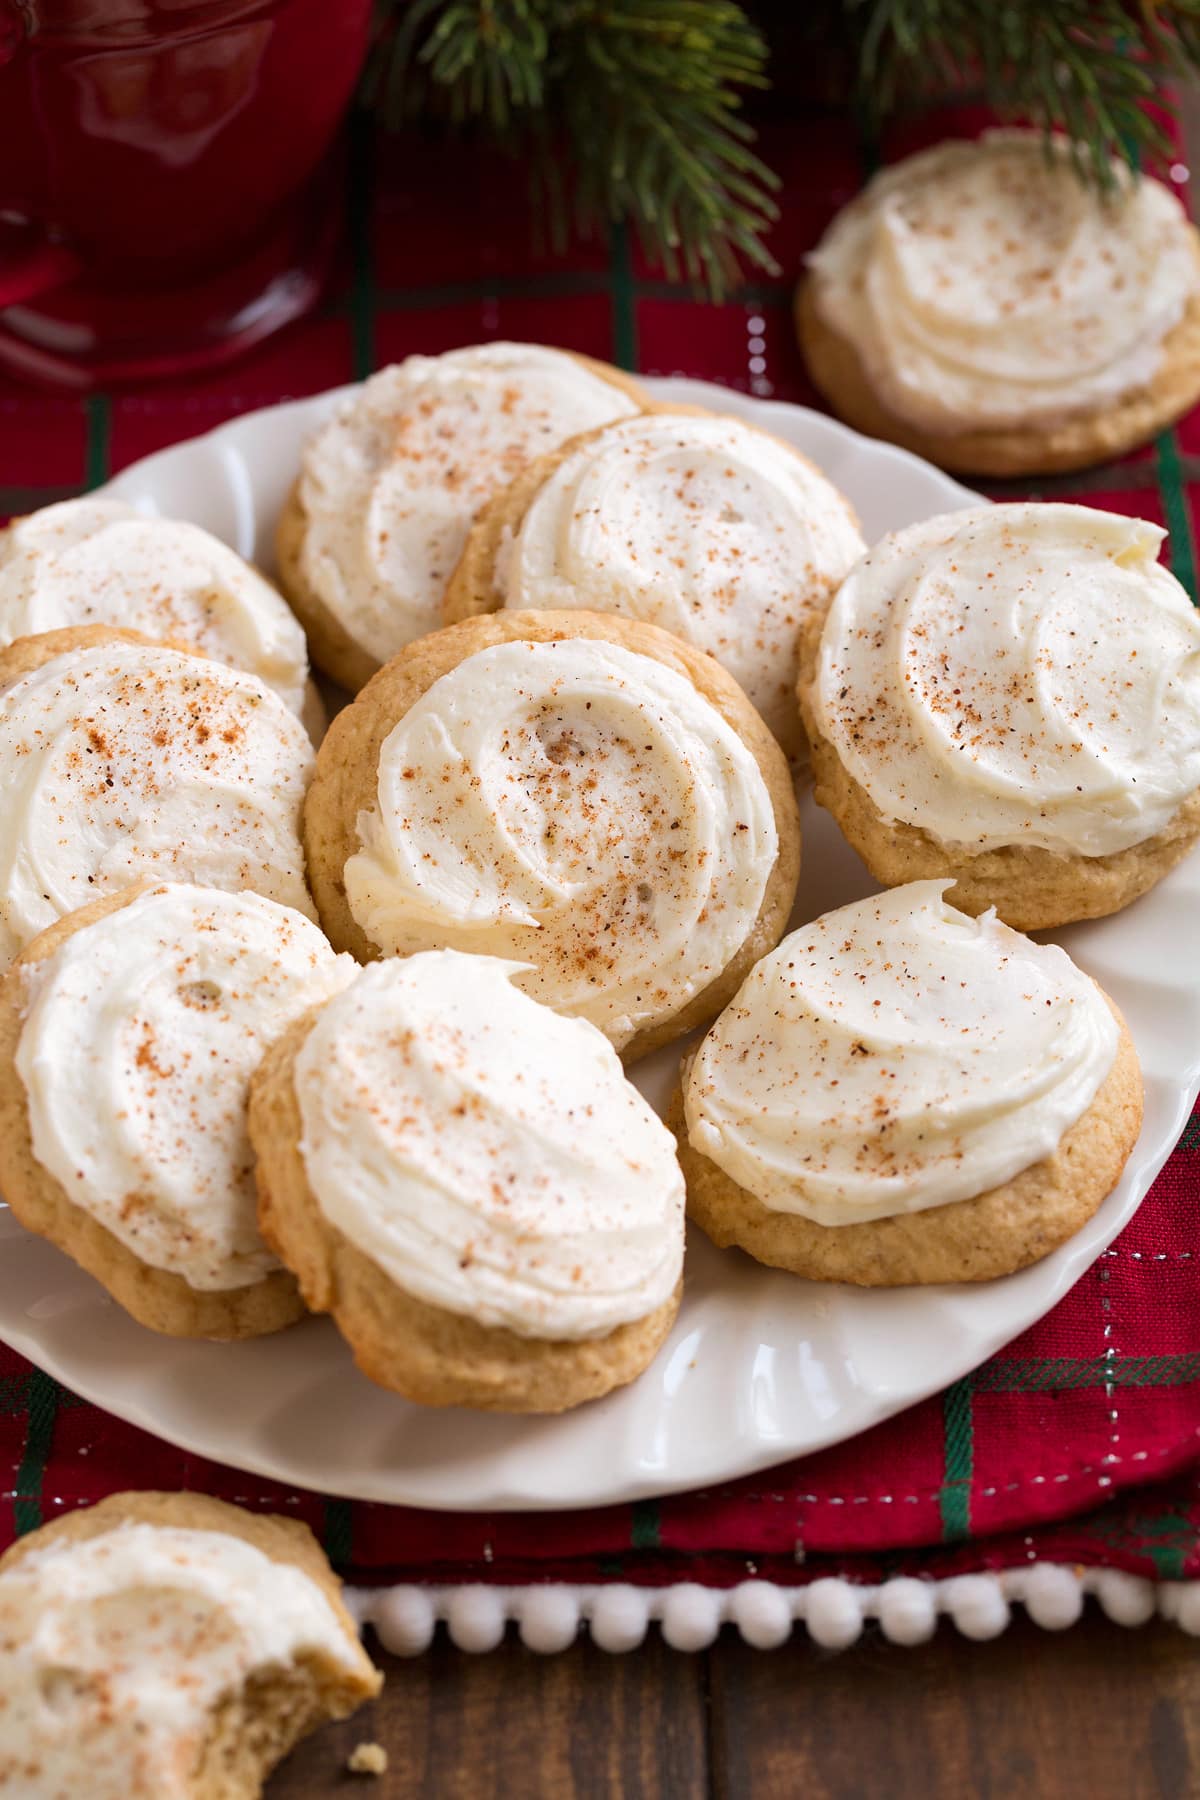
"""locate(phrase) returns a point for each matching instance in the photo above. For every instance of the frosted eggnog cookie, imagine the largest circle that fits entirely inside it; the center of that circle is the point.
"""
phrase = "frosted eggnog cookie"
(981, 305)
(1011, 696)
(693, 521)
(468, 1182)
(97, 561)
(121, 759)
(901, 1093)
(168, 1647)
(128, 1035)
(583, 794)
(389, 486)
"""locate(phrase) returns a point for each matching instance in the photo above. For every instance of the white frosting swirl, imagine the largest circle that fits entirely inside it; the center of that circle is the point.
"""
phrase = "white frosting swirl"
(576, 806)
(896, 1055)
(1024, 674)
(391, 484)
(124, 760)
(116, 1651)
(702, 525)
(485, 1153)
(99, 562)
(983, 284)
(142, 1033)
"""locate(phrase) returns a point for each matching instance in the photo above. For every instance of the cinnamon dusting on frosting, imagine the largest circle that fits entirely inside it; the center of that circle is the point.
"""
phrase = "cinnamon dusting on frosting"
(115, 1653)
(1024, 673)
(96, 561)
(576, 806)
(142, 1032)
(391, 484)
(700, 525)
(983, 284)
(895, 1055)
(488, 1155)
(123, 760)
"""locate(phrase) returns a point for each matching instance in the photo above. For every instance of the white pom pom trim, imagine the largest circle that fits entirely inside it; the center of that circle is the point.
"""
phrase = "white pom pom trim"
(550, 1616)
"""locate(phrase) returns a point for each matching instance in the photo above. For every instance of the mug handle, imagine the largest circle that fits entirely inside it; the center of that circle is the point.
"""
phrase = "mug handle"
(31, 268)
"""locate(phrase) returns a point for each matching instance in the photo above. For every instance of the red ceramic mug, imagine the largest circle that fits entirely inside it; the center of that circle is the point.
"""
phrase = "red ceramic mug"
(160, 162)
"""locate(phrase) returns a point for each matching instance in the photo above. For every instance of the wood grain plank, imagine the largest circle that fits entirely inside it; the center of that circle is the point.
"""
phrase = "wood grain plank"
(1098, 1710)
(514, 1726)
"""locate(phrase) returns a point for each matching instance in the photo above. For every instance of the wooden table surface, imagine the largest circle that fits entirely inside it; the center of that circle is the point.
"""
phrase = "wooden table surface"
(1098, 1712)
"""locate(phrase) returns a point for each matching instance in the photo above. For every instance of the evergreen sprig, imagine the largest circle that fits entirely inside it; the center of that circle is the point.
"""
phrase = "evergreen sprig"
(1093, 69)
(632, 105)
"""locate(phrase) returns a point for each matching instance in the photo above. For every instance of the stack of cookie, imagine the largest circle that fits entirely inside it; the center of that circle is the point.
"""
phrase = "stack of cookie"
(349, 1032)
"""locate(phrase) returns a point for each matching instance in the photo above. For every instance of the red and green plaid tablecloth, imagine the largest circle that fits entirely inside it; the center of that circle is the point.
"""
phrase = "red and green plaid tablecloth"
(1081, 1441)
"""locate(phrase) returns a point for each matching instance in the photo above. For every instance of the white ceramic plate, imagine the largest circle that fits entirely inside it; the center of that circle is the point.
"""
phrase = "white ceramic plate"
(759, 1367)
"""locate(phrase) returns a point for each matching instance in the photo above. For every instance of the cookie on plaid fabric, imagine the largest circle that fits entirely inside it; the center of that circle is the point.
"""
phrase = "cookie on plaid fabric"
(389, 486)
(578, 792)
(467, 1181)
(121, 758)
(690, 520)
(1010, 696)
(128, 1035)
(903, 1094)
(97, 561)
(980, 305)
(158, 1644)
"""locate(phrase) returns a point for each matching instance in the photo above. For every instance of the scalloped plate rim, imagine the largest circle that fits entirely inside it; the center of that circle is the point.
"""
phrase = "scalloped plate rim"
(476, 1485)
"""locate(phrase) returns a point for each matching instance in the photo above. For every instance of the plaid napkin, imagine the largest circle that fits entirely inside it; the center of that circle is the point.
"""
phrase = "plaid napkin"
(1079, 1442)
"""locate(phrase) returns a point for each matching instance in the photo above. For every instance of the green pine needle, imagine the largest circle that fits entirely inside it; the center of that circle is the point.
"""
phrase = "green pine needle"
(1087, 68)
(632, 106)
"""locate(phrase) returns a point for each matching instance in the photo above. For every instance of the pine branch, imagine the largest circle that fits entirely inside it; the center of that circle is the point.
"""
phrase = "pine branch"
(632, 106)
(1094, 69)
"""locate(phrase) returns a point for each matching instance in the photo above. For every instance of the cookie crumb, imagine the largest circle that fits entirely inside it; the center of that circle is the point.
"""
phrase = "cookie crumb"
(368, 1759)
